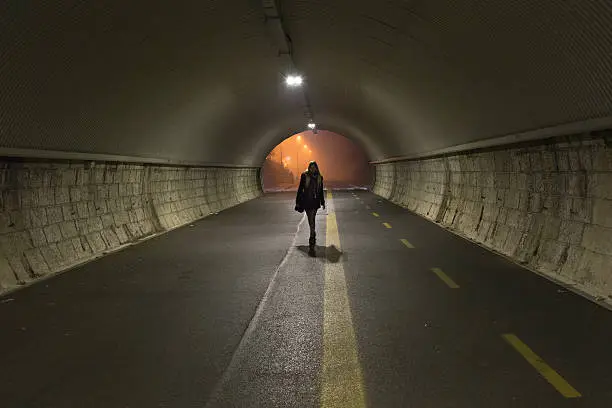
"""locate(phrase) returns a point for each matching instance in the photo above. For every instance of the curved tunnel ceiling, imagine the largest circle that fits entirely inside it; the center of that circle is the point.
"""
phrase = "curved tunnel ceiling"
(201, 80)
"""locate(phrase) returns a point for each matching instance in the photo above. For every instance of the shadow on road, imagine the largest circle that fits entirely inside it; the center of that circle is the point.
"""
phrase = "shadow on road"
(331, 253)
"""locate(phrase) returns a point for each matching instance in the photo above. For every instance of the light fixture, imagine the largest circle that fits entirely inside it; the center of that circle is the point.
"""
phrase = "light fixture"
(294, 80)
(311, 125)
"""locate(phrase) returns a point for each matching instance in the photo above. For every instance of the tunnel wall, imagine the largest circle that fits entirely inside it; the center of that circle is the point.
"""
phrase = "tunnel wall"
(55, 215)
(547, 206)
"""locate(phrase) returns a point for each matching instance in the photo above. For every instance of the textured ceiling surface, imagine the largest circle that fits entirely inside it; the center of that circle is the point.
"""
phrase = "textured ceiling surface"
(200, 80)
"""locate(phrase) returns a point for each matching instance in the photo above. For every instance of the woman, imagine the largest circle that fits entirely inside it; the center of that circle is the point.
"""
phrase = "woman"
(310, 197)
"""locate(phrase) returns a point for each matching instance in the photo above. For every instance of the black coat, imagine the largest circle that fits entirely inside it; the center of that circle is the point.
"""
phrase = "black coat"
(310, 198)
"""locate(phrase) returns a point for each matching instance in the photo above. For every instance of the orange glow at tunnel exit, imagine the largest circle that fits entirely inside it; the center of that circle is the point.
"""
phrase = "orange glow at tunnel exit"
(340, 160)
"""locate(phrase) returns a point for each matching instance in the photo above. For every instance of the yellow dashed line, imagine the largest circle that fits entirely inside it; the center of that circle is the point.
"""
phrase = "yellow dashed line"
(445, 278)
(342, 380)
(544, 369)
(407, 243)
(375, 214)
(387, 225)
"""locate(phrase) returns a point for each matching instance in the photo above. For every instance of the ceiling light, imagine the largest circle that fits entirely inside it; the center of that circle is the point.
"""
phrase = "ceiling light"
(294, 80)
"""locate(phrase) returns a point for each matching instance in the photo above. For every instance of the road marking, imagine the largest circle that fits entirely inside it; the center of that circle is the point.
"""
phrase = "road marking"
(375, 214)
(342, 380)
(445, 278)
(407, 243)
(544, 369)
(387, 225)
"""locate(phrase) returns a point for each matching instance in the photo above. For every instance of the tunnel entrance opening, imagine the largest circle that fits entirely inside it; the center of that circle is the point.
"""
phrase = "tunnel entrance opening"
(343, 163)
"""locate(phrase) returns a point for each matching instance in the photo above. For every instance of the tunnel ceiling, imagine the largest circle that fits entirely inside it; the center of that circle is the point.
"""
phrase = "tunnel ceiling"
(202, 81)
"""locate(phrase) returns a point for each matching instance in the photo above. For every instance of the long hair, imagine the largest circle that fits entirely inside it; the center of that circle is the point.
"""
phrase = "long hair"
(313, 163)
(319, 176)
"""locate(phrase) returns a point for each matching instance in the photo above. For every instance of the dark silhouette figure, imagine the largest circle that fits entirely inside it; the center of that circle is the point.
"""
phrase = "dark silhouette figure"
(310, 198)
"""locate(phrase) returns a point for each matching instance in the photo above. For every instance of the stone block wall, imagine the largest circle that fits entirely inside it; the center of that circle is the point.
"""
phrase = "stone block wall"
(547, 206)
(181, 195)
(56, 215)
(384, 179)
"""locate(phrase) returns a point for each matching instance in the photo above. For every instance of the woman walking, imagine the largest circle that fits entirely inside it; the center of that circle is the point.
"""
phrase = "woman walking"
(310, 198)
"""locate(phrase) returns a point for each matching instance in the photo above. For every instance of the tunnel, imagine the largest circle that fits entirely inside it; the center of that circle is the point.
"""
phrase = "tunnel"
(143, 264)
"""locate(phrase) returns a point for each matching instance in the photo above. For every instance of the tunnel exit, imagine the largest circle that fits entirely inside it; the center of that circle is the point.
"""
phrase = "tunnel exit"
(343, 163)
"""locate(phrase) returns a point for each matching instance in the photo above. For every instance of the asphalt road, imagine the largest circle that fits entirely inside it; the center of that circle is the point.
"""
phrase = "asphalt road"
(232, 312)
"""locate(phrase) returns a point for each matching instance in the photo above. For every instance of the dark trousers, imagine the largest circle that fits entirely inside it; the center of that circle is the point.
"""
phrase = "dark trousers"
(311, 214)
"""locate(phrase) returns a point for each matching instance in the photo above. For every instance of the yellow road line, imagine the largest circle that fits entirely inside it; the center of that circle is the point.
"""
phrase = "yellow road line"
(445, 278)
(342, 380)
(544, 369)
(375, 214)
(407, 243)
(387, 225)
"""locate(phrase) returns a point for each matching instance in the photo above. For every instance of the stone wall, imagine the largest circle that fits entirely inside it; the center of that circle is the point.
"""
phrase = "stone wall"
(57, 215)
(547, 206)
